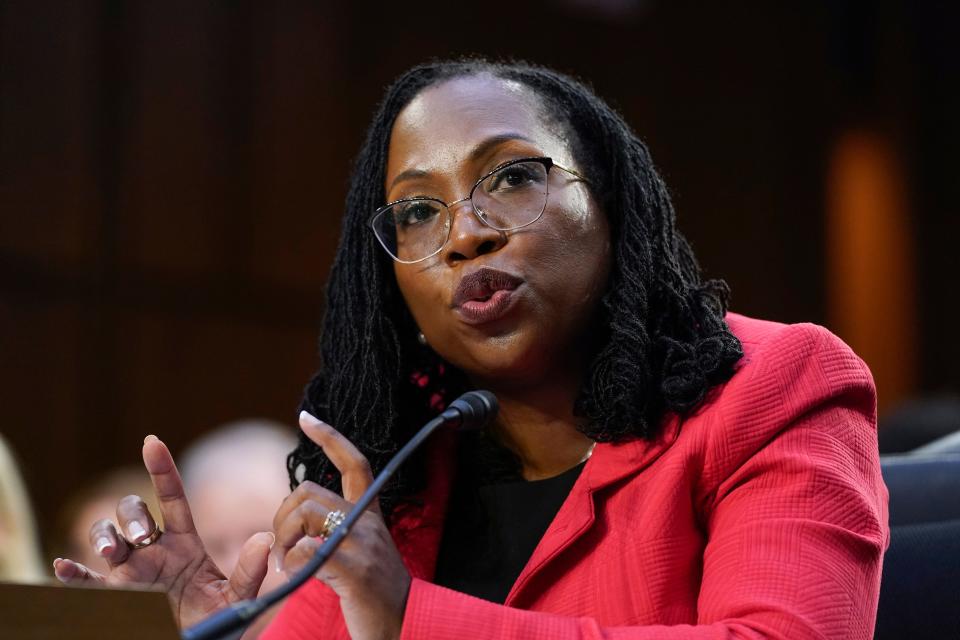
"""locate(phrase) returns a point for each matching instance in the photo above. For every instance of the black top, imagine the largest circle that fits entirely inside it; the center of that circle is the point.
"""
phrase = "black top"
(492, 529)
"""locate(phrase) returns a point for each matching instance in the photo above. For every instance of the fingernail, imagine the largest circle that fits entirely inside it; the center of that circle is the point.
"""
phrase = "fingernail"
(103, 545)
(273, 538)
(309, 417)
(57, 570)
(149, 438)
(136, 532)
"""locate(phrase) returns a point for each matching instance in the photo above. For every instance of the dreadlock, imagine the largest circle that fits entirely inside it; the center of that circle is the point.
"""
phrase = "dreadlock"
(661, 341)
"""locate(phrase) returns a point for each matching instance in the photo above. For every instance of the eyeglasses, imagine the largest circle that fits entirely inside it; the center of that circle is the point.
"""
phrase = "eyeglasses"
(512, 196)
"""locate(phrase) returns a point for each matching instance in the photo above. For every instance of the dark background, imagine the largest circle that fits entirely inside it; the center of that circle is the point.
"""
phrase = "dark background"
(172, 173)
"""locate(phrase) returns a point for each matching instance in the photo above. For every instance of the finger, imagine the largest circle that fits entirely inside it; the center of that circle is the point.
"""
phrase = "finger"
(251, 568)
(309, 491)
(107, 543)
(167, 484)
(354, 468)
(135, 519)
(70, 572)
(300, 554)
(306, 520)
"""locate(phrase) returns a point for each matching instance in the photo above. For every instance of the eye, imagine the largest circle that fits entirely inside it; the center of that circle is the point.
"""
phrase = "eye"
(408, 214)
(515, 176)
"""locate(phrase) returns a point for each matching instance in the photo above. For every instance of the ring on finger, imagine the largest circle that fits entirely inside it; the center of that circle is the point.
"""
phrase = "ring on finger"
(333, 520)
(150, 539)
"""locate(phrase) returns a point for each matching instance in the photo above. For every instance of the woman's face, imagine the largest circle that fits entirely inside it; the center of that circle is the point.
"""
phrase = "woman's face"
(502, 306)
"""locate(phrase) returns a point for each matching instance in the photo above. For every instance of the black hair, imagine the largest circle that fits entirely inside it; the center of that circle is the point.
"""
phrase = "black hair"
(661, 342)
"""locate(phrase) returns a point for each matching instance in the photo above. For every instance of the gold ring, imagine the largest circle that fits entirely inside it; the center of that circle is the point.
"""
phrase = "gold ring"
(150, 539)
(333, 520)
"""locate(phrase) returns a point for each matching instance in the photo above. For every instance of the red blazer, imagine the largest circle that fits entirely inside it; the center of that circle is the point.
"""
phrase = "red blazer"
(763, 515)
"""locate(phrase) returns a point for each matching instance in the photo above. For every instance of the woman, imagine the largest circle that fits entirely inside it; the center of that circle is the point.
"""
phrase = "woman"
(658, 469)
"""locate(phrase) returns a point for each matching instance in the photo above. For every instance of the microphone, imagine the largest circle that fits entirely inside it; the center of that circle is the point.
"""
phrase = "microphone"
(471, 411)
(474, 410)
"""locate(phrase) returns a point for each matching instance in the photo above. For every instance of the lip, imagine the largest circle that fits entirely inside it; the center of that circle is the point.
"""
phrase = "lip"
(485, 295)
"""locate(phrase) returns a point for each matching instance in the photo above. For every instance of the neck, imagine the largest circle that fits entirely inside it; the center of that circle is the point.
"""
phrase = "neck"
(538, 425)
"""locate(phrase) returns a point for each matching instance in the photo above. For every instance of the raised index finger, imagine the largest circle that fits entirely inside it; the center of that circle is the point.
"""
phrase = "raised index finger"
(355, 474)
(168, 486)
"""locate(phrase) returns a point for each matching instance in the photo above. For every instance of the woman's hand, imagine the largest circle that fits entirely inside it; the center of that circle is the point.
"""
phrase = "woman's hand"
(177, 560)
(366, 571)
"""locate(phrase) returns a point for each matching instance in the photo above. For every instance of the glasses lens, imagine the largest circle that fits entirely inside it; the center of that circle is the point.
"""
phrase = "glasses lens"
(513, 196)
(413, 229)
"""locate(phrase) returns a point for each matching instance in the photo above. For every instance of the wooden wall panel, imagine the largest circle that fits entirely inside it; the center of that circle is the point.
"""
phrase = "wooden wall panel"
(48, 139)
(303, 152)
(41, 396)
(183, 375)
(182, 179)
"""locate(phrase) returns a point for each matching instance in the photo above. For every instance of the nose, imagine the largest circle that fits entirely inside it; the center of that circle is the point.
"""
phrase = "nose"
(469, 236)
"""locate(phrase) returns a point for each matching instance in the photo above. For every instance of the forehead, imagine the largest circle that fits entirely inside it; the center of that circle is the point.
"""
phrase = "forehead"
(439, 127)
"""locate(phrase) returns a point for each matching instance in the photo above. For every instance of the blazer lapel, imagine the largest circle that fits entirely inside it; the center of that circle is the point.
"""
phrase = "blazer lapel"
(609, 464)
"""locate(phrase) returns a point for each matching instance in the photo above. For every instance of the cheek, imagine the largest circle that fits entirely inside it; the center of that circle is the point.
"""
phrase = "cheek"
(422, 292)
(581, 212)
(574, 218)
(574, 250)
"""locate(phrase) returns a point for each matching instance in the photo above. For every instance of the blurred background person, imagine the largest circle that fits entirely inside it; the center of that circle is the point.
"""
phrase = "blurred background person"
(19, 546)
(235, 479)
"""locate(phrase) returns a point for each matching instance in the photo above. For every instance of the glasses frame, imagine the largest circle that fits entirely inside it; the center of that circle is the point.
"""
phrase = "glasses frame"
(547, 163)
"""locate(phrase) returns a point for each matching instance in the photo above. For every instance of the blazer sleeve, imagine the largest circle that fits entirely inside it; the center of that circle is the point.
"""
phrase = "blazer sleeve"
(792, 502)
(311, 613)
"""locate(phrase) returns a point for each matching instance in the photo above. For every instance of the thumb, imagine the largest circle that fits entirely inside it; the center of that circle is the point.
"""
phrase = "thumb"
(251, 568)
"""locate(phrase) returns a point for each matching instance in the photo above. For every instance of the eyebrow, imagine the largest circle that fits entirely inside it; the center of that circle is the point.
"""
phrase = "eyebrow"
(479, 150)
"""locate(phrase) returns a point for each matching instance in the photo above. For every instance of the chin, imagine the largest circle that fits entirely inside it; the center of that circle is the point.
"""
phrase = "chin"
(516, 360)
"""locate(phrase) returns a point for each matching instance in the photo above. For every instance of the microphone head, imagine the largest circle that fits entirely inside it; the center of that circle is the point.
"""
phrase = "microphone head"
(476, 409)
